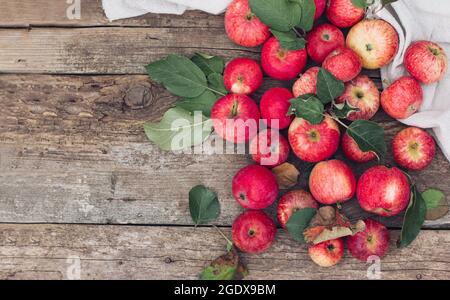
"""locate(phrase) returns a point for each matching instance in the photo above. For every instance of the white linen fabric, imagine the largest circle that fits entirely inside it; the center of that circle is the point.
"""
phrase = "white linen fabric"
(413, 19)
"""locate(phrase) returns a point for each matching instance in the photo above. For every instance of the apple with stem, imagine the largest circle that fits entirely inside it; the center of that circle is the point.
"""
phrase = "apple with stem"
(372, 241)
(327, 254)
(322, 40)
(242, 76)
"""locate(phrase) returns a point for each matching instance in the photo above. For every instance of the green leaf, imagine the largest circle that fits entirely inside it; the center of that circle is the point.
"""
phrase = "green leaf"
(226, 267)
(179, 75)
(362, 3)
(308, 107)
(209, 64)
(413, 220)
(178, 130)
(343, 110)
(386, 2)
(328, 86)
(369, 136)
(298, 222)
(308, 11)
(216, 83)
(203, 103)
(203, 205)
(281, 15)
(437, 205)
(289, 40)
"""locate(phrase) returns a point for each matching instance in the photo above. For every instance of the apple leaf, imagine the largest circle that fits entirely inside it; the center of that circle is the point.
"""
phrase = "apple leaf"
(287, 175)
(307, 107)
(179, 130)
(437, 205)
(281, 15)
(413, 219)
(343, 110)
(308, 9)
(203, 205)
(369, 136)
(209, 64)
(328, 86)
(298, 222)
(363, 3)
(179, 75)
(226, 267)
(203, 103)
(216, 83)
(386, 2)
(289, 40)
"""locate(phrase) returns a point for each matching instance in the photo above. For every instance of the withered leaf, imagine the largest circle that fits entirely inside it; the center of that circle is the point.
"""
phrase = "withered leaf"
(286, 175)
(437, 205)
(226, 267)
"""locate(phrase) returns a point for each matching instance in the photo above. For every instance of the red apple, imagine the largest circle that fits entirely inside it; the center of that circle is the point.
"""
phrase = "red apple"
(243, 27)
(291, 202)
(327, 254)
(363, 94)
(235, 118)
(332, 181)
(353, 152)
(426, 61)
(372, 241)
(313, 143)
(282, 64)
(274, 106)
(322, 40)
(255, 187)
(307, 83)
(375, 41)
(402, 98)
(343, 63)
(320, 8)
(413, 148)
(383, 191)
(242, 76)
(269, 148)
(343, 13)
(253, 231)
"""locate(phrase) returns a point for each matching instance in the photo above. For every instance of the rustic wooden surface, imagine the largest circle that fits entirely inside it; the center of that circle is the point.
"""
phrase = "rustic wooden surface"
(72, 151)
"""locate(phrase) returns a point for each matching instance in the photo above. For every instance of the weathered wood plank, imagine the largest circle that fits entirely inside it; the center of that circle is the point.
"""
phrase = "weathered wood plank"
(139, 252)
(72, 150)
(55, 13)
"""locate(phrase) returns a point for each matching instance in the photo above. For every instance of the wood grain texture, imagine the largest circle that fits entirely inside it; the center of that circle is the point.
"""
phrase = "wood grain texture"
(122, 252)
(30, 13)
(72, 150)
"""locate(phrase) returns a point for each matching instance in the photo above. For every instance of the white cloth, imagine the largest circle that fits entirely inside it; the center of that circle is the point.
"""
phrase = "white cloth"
(423, 20)
(121, 9)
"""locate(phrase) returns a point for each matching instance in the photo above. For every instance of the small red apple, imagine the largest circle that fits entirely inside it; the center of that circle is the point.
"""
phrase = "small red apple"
(242, 76)
(383, 191)
(293, 201)
(274, 106)
(243, 27)
(375, 41)
(402, 98)
(314, 142)
(255, 187)
(282, 64)
(426, 61)
(332, 181)
(307, 83)
(343, 63)
(320, 8)
(327, 254)
(235, 118)
(353, 152)
(253, 231)
(343, 13)
(413, 148)
(322, 40)
(372, 241)
(269, 148)
(363, 94)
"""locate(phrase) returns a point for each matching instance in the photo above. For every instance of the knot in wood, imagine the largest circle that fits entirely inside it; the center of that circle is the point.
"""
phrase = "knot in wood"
(138, 97)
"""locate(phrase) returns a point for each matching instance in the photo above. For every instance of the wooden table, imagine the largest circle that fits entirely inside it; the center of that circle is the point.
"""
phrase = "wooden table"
(80, 183)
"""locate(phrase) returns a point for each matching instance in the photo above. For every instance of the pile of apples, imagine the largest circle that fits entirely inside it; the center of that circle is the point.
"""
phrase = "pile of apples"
(382, 190)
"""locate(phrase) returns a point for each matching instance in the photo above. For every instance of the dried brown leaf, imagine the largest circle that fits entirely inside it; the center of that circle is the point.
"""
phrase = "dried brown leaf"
(286, 175)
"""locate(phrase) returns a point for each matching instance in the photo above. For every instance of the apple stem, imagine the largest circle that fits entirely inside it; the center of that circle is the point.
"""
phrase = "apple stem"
(337, 120)
(296, 32)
